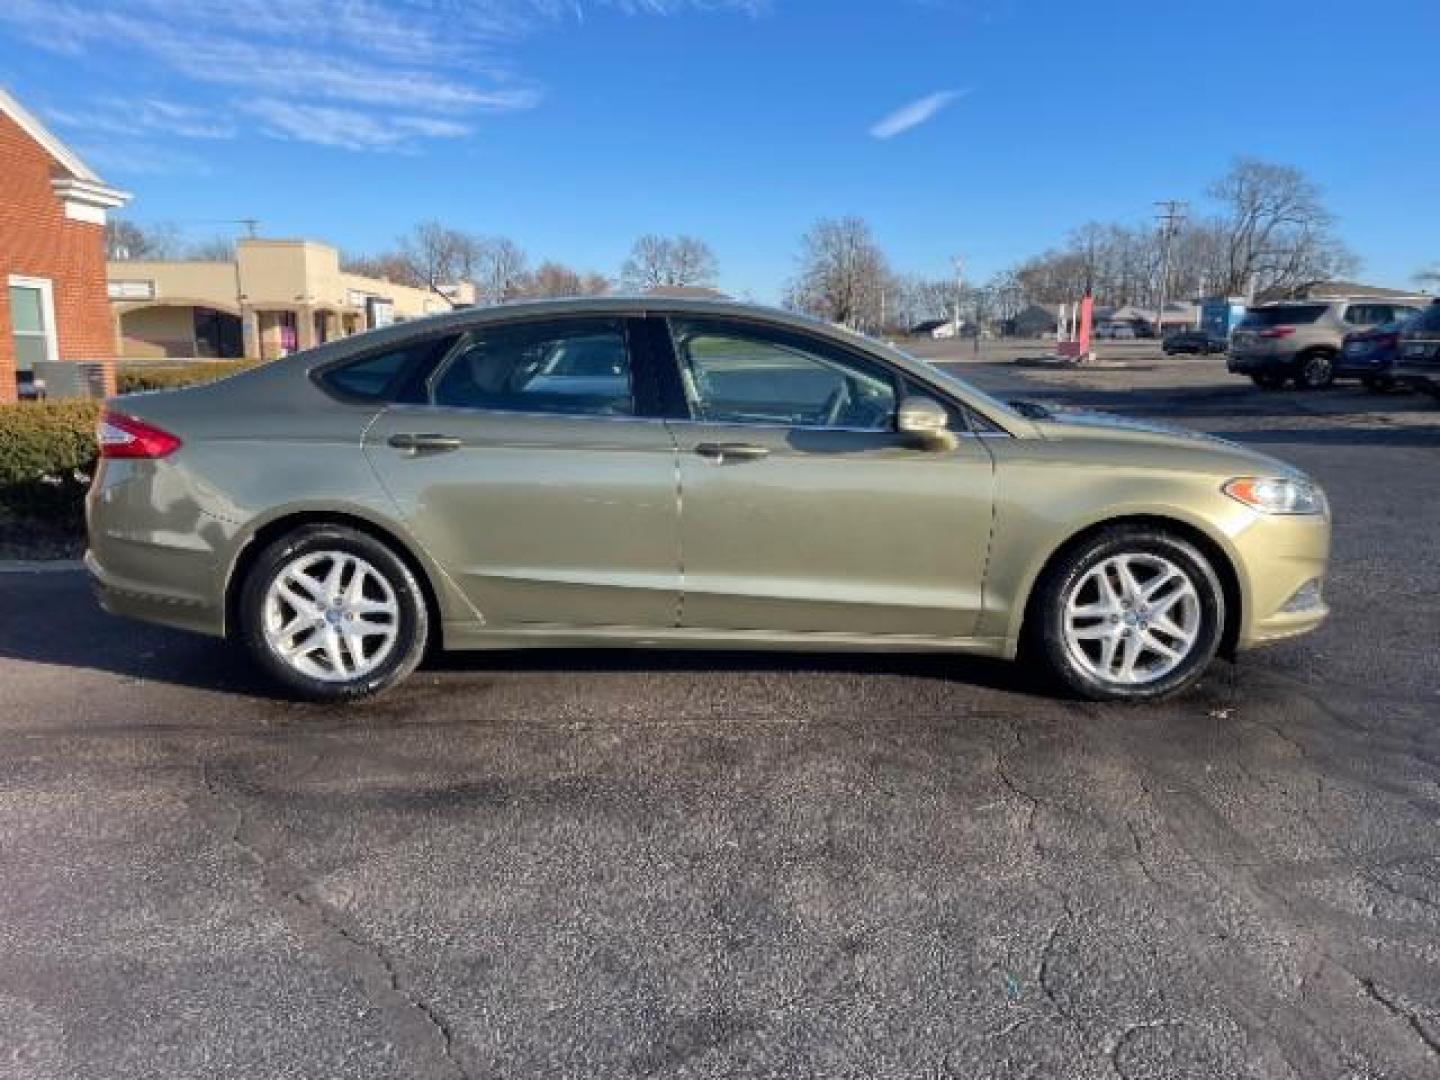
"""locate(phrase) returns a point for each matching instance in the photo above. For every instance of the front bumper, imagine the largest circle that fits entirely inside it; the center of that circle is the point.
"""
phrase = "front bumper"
(1423, 376)
(1283, 561)
(1363, 364)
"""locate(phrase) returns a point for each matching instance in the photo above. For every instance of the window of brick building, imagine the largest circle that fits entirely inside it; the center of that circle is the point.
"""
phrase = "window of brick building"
(32, 323)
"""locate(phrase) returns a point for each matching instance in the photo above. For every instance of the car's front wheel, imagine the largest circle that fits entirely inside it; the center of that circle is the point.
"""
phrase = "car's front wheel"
(1131, 614)
(332, 614)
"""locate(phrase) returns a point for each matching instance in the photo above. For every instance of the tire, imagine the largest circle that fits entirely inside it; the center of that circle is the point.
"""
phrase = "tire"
(376, 633)
(1268, 381)
(1087, 652)
(1316, 370)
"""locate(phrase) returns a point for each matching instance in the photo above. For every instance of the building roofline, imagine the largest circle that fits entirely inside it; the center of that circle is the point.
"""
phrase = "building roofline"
(45, 137)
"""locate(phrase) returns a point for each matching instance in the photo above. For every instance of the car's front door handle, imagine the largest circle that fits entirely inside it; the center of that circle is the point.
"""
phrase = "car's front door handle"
(424, 442)
(721, 453)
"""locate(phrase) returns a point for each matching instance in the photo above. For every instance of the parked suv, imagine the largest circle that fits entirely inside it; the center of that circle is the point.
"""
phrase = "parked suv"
(1417, 354)
(1300, 339)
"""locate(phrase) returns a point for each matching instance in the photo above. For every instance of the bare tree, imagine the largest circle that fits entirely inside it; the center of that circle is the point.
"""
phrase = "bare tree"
(438, 255)
(387, 265)
(126, 240)
(657, 261)
(500, 270)
(215, 249)
(555, 279)
(1278, 234)
(842, 274)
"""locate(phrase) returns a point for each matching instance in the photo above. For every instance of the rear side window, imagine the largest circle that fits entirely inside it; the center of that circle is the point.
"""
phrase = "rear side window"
(1368, 314)
(383, 376)
(1284, 315)
(572, 367)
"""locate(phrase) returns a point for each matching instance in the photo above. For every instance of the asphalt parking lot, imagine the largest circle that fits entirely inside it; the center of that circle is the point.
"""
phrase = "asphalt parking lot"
(581, 865)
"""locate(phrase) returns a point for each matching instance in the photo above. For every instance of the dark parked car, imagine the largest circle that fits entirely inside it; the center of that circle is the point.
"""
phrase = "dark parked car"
(1369, 355)
(1194, 341)
(1417, 354)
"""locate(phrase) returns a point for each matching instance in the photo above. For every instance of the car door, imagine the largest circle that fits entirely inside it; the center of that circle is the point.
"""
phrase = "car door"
(802, 509)
(529, 469)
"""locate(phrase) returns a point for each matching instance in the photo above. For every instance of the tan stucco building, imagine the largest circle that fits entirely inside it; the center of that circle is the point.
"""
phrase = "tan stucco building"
(276, 297)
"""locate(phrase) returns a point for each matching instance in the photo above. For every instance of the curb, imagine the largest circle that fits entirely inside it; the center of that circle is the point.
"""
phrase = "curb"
(41, 566)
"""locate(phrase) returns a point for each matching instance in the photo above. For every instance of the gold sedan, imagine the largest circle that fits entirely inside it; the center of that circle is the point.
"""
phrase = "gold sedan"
(683, 474)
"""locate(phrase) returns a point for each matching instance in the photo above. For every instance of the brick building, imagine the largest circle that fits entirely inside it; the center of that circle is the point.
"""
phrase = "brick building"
(52, 253)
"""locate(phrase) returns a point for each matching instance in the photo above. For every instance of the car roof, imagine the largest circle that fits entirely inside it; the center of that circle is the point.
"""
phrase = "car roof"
(462, 319)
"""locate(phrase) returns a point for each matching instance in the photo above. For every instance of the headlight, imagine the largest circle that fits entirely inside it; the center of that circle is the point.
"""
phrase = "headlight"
(1277, 495)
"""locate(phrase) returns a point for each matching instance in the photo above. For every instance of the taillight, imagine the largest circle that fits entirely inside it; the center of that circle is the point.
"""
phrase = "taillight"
(1277, 332)
(123, 436)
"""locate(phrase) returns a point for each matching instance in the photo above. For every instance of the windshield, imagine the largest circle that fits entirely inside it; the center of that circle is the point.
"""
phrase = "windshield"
(1285, 315)
(1428, 320)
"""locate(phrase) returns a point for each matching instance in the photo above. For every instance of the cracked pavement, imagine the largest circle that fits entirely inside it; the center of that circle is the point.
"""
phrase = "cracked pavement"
(582, 864)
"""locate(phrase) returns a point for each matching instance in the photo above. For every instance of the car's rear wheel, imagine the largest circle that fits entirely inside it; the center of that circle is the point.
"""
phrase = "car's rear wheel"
(1268, 381)
(1131, 614)
(1317, 370)
(333, 614)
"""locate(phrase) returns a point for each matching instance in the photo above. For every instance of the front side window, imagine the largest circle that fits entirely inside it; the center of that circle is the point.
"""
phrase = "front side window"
(576, 367)
(736, 375)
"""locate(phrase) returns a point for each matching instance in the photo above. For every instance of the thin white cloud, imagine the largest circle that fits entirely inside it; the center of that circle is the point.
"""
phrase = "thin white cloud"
(145, 116)
(911, 116)
(371, 74)
(348, 129)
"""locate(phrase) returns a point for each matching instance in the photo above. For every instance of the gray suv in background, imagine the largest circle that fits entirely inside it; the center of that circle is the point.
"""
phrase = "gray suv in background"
(1300, 339)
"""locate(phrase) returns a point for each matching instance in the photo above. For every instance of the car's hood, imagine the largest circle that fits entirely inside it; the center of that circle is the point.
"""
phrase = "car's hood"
(1065, 423)
(1089, 419)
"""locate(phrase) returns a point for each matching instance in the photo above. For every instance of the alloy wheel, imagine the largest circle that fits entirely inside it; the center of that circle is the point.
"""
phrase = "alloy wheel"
(331, 616)
(1132, 619)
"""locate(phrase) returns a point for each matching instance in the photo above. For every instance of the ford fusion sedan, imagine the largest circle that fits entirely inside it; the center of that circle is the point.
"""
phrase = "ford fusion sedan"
(683, 474)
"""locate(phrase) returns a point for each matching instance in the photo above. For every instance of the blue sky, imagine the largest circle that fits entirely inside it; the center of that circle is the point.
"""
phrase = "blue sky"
(984, 127)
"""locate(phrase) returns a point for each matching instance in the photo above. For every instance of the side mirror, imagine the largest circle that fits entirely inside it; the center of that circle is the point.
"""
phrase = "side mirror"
(926, 422)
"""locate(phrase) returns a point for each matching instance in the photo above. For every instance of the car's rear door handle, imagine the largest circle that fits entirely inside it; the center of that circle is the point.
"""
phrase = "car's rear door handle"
(426, 442)
(720, 453)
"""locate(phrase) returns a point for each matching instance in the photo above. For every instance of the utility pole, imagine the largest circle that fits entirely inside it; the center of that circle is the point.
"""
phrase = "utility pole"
(1172, 211)
(959, 290)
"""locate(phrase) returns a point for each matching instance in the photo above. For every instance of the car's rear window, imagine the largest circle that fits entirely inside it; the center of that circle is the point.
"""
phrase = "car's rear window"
(1284, 315)
(1427, 321)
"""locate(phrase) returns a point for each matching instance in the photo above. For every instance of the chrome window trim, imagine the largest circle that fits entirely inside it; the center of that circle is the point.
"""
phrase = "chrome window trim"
(460, 410)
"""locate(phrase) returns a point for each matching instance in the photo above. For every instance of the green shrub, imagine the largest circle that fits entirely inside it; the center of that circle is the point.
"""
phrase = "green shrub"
(47, 456)
(131, 380)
